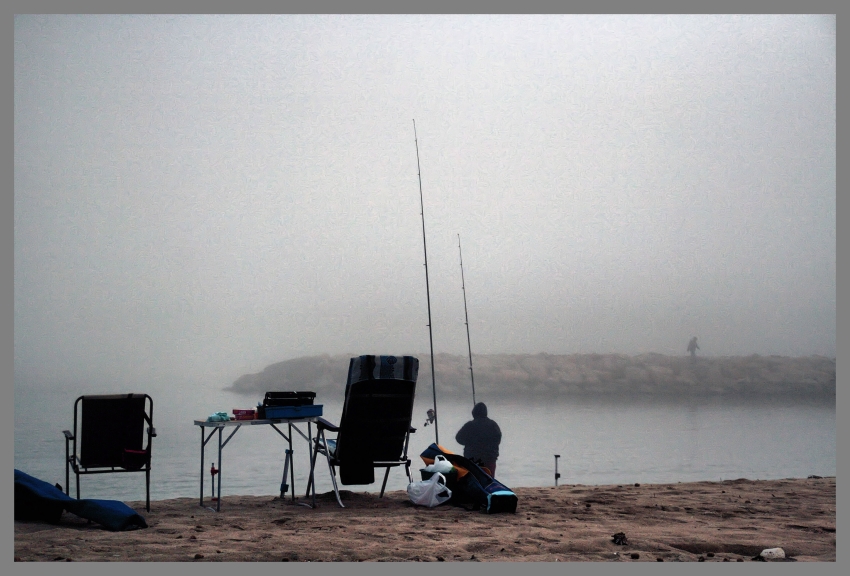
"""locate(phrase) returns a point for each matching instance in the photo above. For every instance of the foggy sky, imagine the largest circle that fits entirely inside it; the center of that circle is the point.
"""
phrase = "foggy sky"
(199, 196)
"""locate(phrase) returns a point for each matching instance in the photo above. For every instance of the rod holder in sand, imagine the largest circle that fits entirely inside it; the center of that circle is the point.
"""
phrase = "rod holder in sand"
(213, 472)
(557, 475)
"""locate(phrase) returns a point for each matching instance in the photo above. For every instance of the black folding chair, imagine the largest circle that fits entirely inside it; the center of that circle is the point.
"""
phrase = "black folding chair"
(109, 436)
(374, 430)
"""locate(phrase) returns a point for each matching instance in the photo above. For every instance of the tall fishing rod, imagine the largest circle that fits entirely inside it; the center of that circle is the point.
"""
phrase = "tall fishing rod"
(466, 317)
(427, 286)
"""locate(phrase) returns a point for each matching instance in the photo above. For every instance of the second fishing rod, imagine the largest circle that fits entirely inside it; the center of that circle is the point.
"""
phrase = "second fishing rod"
(466, 320)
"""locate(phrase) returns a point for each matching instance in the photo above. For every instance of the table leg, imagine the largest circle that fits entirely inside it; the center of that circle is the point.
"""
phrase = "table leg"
(220, 474)
(292, 467)
(202, 464)
(312, 462)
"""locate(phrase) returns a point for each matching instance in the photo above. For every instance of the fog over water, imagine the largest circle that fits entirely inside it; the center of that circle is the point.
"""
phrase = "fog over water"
(197, 197)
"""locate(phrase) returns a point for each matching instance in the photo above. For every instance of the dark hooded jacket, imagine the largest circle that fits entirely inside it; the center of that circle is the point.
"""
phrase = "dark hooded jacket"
(480, 437)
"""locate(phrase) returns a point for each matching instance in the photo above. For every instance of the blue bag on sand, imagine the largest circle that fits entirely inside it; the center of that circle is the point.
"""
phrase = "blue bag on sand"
(39, 501)
(474, 486)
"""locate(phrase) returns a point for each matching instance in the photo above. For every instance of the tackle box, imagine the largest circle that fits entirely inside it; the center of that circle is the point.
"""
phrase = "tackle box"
(288, 398)
(303, 411)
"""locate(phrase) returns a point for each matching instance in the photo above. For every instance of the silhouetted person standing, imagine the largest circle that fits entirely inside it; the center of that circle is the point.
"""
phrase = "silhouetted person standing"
(480, 438)
(693, 347)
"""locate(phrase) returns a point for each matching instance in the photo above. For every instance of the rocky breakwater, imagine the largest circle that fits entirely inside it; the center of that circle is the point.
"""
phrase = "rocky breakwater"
(553, 375)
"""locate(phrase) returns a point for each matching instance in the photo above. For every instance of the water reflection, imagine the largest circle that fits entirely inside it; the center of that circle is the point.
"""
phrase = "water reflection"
(600, 442)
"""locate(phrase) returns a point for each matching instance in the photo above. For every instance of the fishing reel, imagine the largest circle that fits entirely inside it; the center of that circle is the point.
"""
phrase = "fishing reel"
(432, 416)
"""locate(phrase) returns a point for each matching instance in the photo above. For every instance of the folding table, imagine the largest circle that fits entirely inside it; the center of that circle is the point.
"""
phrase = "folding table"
(291, 423)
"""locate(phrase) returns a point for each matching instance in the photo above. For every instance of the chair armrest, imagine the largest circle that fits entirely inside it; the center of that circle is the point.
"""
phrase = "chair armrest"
(68, 434)
(412, 430)
(323, 424)
(152, 431)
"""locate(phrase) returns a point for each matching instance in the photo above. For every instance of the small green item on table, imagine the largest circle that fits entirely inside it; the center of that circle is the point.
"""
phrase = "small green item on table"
(218, 417)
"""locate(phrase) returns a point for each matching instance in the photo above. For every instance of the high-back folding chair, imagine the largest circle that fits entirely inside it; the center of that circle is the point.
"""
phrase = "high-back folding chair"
(374, 429)
(112, 433)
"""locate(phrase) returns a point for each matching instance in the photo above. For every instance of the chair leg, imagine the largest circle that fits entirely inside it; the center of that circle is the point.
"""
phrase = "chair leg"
(384, 485)
(67, 468)
(333, 479)
(320, 436)
(312, 471)
(148, 488)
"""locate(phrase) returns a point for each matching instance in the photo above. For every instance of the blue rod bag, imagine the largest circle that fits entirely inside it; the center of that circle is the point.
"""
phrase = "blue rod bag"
(36, 500)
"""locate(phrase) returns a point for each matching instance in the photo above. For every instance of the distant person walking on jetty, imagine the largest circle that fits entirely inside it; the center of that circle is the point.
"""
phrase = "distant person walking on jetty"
(480, 438)
(693, 347)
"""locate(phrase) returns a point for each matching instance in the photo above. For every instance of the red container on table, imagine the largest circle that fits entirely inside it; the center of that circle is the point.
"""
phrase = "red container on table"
(239, 414)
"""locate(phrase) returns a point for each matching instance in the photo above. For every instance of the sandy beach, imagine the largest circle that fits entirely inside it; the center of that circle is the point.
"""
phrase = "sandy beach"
(729, 521)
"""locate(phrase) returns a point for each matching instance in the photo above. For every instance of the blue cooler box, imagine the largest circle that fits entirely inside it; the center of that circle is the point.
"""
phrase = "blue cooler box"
(304, 411)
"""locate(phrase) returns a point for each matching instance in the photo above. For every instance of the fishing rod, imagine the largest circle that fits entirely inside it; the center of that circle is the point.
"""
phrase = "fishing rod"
(427, 287)
(466, 317)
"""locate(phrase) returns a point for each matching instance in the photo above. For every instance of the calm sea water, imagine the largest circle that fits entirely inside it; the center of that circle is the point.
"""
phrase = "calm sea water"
(598, 442)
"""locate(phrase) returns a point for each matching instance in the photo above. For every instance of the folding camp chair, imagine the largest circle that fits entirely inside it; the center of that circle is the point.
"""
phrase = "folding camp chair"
(110, 430)
(374, 429)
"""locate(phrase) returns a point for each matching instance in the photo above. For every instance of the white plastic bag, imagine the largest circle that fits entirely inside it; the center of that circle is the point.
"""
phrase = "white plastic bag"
(440, 465)
(431, 492)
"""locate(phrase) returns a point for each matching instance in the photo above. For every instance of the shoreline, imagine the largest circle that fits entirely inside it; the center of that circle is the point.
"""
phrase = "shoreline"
(727, 521)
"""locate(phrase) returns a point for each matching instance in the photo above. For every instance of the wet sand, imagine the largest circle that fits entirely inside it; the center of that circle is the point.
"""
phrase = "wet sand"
(728, 521)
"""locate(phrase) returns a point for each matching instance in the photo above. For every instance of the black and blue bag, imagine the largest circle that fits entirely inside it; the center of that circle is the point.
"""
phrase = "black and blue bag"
(474, 486)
